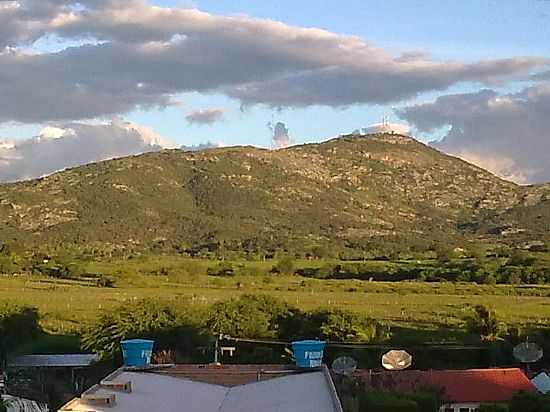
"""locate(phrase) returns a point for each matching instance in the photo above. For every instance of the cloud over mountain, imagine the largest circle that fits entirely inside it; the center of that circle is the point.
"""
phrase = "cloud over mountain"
(281, 137)
(139, 56)
(205, 116)
(74, 144)
(508, 134)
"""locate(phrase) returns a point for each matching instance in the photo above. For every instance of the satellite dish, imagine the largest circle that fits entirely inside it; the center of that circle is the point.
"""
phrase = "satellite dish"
(344, 365)
(528, 352)
(396, 360)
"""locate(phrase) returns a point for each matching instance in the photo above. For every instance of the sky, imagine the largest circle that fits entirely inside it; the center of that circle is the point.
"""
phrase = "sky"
(94, 79)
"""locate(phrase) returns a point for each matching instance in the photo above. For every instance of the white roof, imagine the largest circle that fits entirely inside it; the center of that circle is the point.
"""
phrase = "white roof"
(304, 392)
(542, 382)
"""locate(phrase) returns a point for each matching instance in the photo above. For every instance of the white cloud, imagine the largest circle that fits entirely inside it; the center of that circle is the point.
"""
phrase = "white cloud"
(507, 134)
(50, 132)
(147, 134)
(205, 116)
(142, 55)
(281, 137)
(385, 127)
(62, 146)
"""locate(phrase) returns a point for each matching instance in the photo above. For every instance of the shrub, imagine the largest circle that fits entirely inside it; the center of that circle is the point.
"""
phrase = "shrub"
(222, 269)
(285, 266)
(386, 402)
(18, 325)
(105, 282)
(529, 402)
(484, 322)
(9, 265)
(143, 319)
(444, 254)
(342, 326)
(249, 316)
(519, 258)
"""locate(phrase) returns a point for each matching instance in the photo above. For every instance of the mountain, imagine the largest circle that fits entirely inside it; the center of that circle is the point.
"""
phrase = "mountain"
(353, 192)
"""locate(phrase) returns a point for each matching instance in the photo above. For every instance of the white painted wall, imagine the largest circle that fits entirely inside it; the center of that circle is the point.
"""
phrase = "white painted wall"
(457, 406)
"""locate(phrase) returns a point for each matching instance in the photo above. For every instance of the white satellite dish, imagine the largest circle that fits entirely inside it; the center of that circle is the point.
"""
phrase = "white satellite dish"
(344, 365)
(528, 352)
(396, 360)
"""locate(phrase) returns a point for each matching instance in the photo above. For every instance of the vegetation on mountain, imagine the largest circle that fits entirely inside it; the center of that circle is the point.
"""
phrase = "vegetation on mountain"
(353, 197)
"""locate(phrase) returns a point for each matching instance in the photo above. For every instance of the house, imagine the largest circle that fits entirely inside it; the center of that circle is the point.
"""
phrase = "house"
(542, 382)
(38, 365)
(462, 390)
(211, 388)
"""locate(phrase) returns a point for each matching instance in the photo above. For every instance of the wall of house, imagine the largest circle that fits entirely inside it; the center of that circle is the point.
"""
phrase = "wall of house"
(460, 407)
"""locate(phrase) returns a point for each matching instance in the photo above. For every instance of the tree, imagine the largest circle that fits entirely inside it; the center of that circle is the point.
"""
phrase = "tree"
(285, 266)
(343, 326)
(529, 402)
(519, 258)
(18, 325)
(249, 316)
(484, 322)
(444, 254)
(144, 319)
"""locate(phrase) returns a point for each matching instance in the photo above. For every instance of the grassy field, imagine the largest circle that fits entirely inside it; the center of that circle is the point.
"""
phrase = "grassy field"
(66, 306)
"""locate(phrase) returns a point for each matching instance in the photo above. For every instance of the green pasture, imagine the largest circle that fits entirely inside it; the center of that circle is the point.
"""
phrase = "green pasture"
(66, 306)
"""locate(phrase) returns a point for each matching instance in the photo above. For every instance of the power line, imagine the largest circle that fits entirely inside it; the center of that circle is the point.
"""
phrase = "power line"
(357, 345)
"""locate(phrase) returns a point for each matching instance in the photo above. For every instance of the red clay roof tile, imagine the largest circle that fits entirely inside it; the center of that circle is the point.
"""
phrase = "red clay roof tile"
(471, 385)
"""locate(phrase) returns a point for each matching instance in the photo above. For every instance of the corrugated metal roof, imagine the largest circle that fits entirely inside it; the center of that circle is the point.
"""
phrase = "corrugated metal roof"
(53, 361)
(302, 392)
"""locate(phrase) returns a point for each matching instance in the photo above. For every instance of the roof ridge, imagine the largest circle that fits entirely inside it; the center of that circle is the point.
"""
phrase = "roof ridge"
(474, 370)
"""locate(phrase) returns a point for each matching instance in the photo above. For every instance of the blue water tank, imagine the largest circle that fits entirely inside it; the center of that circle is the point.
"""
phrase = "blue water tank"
(137, 352)
(308, 353)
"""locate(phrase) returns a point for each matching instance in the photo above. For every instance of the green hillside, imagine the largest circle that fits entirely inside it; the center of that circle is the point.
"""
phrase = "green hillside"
(352, 193)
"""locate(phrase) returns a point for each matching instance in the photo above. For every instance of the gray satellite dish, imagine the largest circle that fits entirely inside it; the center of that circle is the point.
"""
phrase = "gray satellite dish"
(344, 365)
(396, 360)
(528, 352)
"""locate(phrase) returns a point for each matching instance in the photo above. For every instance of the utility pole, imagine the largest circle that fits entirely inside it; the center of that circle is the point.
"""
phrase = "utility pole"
(217, 349)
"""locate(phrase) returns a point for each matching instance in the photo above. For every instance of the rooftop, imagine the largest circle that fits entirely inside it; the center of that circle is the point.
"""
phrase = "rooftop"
(53, 361)
(226, 375)
(208, 388)
(470, 385)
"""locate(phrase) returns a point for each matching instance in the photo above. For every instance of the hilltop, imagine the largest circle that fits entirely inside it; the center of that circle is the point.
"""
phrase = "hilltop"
(351, 193)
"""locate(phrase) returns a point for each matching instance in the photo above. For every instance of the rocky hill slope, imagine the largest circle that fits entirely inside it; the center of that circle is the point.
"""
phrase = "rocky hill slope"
(353, 192)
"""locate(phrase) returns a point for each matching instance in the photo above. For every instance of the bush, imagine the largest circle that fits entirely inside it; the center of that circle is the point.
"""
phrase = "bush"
(222, 269)
(143, 319)
(519, 258)
(105, 282)
(249, 316)
(18, 325)
(285, 266)
(484, 322)
(386, 402)
(444, 254)
(343, 326)
(529, 402)
(9, 265)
